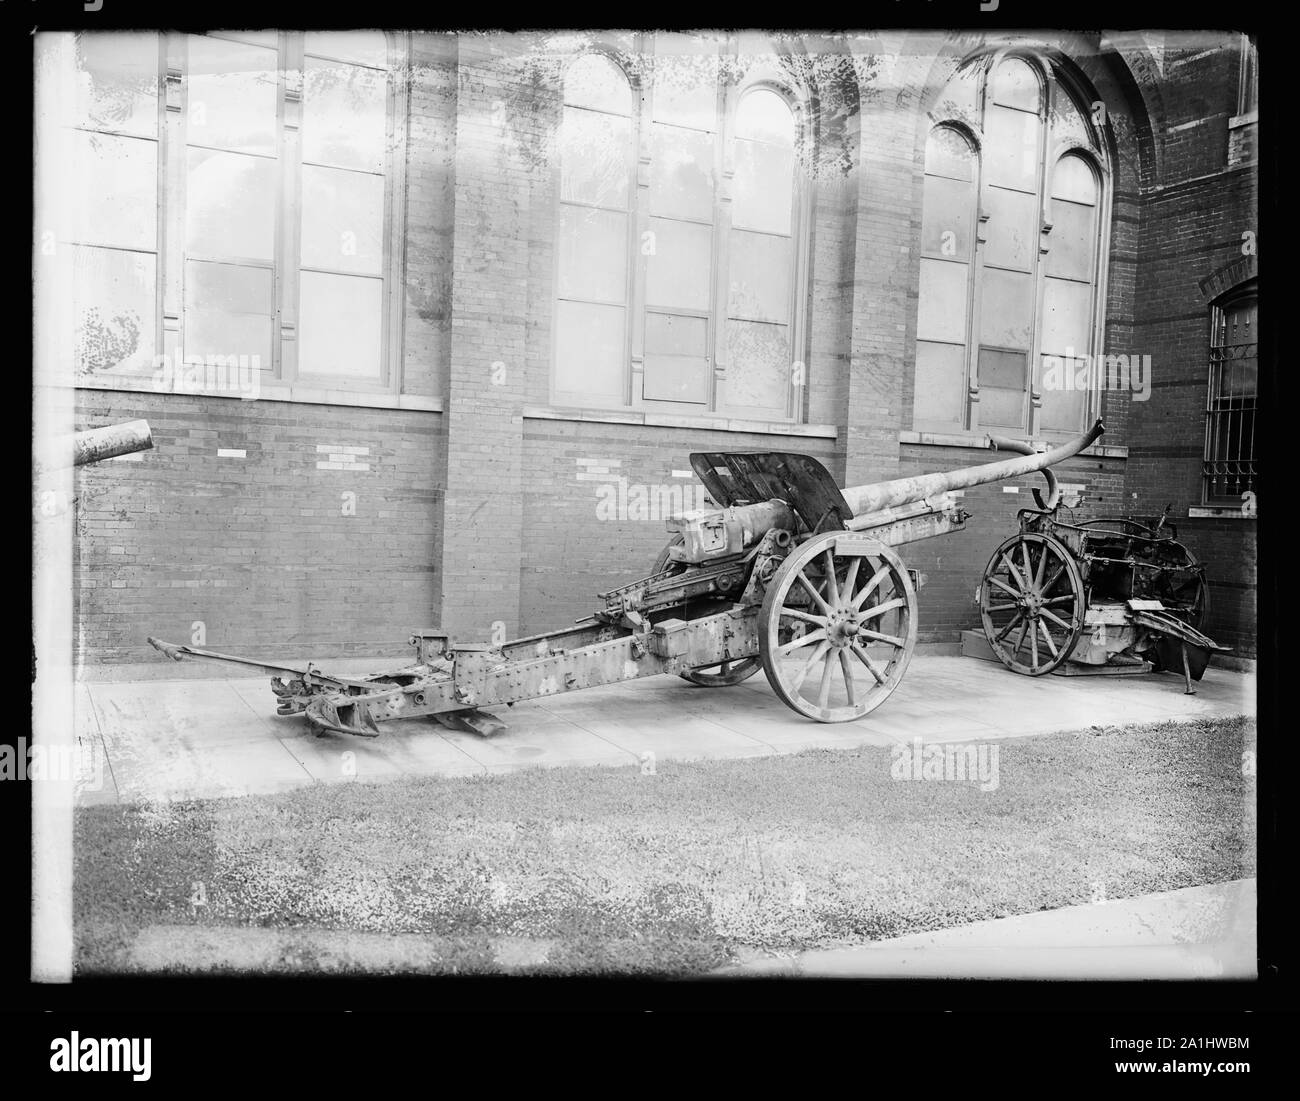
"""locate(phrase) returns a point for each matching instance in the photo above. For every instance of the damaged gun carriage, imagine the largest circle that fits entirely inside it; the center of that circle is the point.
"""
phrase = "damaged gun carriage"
(788, 574)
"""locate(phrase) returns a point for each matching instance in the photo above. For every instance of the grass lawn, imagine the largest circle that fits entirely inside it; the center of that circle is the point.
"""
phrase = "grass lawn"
(608, 870)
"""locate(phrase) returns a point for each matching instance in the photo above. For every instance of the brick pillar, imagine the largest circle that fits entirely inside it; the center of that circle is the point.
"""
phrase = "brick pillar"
(482, 517)
(886, 267)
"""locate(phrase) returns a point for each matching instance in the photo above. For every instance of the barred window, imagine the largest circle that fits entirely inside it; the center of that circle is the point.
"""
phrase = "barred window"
(1229, 470)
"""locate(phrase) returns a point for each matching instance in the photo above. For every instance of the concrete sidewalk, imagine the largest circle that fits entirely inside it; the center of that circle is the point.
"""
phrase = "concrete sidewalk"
(1204, 932)
(185, 739)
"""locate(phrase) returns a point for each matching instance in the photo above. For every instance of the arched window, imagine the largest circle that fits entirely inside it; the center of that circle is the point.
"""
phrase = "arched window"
(1004, 309)
(591, 322)
(679, 285)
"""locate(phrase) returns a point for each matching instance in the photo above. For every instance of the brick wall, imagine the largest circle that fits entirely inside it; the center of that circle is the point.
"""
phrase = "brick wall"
(485, 513)
(260, 549)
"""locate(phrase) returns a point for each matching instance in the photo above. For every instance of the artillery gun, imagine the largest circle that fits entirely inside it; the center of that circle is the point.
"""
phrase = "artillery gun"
(788, 573)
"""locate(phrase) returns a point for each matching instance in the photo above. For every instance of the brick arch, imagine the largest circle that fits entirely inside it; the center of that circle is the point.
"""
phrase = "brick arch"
(1232, 275)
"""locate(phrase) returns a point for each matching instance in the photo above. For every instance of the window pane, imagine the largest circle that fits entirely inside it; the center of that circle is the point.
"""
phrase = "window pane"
(343, 115)
(231, 96)
(1011, 148)
(1015, 85)
(760, 277)
(114, 191)
(1012, 228)
(1006, 309)
(685, 82)
(668, 334)
(1067, 317)
(1063, 404)
(946, 217)
(1002, 388)
(1067, 122)
(230, 205)
(1072, 238)
(1072, 179)
(117, 82)
(593, 254)
(590, 353)
(676, 378)
(114, 310)
(949, 154)
(765, 116)
(363, 47)
(594, 164)
(941, 311)
(762, 187)
(758, 367)
(679, 269)
(228, 310)
(596, 82)
(342, 220)
(681, 173)
(940, 382)
(339, 331)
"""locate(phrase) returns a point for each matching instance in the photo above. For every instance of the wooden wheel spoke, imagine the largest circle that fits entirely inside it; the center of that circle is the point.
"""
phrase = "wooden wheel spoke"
(824, 689)
(832, 593)
(1033, 642)
(870, 586)
(1056, 619)
(881, 609)
(1042, 566)
(1010, 626)
(1001, 607)
(1059, 600)
(876, 636)
(865, 658)
(1047, 587)
(1029, 566)
(847, 669)
(1047, 635)
(1020, 642)
(803, 640)
(850, 579)
(1005, 587)
(797, 683)
(807, 617)
(1015, 574)
(811, 590)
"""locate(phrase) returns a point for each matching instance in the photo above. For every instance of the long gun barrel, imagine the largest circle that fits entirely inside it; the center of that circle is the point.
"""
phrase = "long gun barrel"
(869, 499)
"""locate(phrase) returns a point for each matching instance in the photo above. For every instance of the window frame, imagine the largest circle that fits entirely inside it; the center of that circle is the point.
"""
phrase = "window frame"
(1243, 293)
(284, 372)
(1054, 81)
(729, 96)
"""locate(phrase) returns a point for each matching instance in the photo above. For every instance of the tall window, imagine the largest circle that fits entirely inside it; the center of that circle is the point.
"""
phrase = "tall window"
(1010, 246)
(1230, 408)
(246, 206)
(677, 286)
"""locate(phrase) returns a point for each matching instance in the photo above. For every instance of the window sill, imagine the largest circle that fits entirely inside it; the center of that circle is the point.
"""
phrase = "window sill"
(1237, 121)
(301, 395)
(663, 420)
(1218, 512)
(980, 443)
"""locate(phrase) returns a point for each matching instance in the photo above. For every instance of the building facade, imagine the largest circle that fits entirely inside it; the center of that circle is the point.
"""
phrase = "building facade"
(426, 326)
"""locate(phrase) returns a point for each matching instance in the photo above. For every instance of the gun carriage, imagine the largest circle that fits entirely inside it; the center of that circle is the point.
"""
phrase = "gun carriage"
(788, 574)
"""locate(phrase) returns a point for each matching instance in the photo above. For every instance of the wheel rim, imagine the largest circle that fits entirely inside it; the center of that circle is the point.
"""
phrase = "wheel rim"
(1032, 603)
(838, 627)
(724, 674)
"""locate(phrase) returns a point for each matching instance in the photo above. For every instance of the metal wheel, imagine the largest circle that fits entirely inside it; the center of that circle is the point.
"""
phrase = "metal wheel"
(838, 626)
(725, 674)
(1032, 603)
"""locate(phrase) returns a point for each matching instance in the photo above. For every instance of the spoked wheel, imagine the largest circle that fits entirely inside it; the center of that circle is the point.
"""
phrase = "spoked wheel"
(1032, 603)
(725, 674)
(838, 626)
